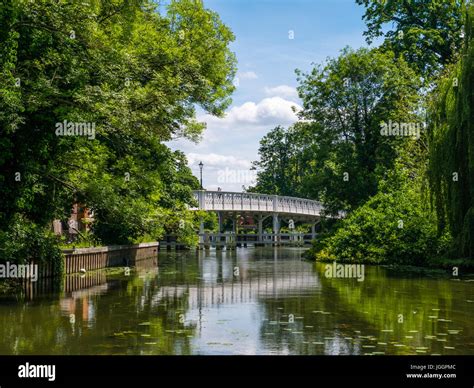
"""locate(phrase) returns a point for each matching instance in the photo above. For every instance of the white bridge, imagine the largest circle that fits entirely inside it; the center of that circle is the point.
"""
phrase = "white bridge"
(242, 207)
(255, 203)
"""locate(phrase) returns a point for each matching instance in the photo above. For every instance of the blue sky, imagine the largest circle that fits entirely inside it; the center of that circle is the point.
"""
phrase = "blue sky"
(266, 81)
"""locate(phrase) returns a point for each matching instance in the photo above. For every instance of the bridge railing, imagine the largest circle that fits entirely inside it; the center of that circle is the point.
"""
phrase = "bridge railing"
(229, 201)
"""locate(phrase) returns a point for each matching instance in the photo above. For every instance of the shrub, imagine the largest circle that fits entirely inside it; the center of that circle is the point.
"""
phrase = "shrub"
(391, 227)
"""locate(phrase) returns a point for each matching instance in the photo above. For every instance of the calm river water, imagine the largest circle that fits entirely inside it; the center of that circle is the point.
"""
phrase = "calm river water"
(248, 301)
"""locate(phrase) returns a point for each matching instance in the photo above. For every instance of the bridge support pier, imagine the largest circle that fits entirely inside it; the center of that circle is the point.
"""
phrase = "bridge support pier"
(218, 243)
(276, 229)
(229, 242)
(201, 234)
(313, 228)
(235, 229)
(260, 220)
(260, 229)
(219, 222)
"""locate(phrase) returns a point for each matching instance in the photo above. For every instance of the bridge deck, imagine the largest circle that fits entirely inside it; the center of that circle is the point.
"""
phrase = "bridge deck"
(254, 202)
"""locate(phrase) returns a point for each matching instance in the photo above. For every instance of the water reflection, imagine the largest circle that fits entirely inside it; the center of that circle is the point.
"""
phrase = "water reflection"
(248, 301)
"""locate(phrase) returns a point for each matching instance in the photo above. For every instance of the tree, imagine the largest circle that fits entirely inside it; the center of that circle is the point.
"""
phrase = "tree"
(426, 33)
(451, 168)
(131, 72)
(344, 104)
(282, 164)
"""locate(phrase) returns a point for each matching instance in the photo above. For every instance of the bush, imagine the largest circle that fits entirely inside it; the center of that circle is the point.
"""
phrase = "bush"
(25, 241)
(391, 227)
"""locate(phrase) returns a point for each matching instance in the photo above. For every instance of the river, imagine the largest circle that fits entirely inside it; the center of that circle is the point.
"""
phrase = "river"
(247, 301)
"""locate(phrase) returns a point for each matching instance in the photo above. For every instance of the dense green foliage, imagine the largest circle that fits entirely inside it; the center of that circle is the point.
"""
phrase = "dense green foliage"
(452, 148)
(283, 161)
(427, 33)
(392, 227)
(26, 240)
(136, 72)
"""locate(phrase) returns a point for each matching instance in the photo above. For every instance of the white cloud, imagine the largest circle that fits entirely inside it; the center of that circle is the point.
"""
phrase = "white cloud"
(268, 112)
(217, 160)
(283, 91)
(226, 172)
(247, 75)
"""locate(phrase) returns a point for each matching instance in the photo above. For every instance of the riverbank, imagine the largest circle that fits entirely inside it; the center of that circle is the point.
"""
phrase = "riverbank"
(86, 259)
(78, 261)
(454, 267)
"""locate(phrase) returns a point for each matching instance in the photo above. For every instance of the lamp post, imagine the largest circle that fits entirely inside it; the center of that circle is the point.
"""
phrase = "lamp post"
(200, 169)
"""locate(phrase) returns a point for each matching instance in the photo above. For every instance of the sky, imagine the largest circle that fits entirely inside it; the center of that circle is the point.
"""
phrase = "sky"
(272, 39)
